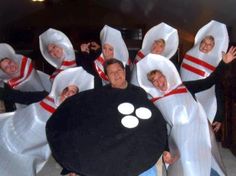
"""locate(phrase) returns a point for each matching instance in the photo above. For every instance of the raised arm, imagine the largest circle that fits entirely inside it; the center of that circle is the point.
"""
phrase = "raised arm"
(203, 84)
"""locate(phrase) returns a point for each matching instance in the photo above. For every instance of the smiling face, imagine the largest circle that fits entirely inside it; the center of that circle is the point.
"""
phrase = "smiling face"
(116, 75)
(68, 92)
(158, 80)
(108, 51)
(207, 44)
(158, 46)
(55, 51)
(8, 66)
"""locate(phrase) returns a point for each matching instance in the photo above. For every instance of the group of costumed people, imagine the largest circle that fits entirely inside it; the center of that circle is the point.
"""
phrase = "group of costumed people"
(102, 115)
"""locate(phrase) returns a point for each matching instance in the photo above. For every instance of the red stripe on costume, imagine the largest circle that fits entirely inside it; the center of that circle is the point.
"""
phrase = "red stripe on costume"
(47, 107)
(16, 81)
(129, 61)
(101, 73)
(175, 91)
(55, 73)
(68, 63)
(140, 54)
(99, 70)
(193, 69)
(101, 60)
(50, 99)
(200, 62)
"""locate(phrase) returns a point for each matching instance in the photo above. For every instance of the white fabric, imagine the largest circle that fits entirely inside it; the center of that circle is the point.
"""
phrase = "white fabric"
(26, 82)
(189, 133)
(45, 79)
(53, 36)
(7, 51)
(149, 63)
(219, 32)
(111, 36)
(23, 144)
(160, 31)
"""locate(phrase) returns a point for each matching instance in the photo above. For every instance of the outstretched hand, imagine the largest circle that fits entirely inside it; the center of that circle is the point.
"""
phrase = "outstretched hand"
(94, 46)
(216, 126)
(87, 47)
(230, 55)
(84, 47)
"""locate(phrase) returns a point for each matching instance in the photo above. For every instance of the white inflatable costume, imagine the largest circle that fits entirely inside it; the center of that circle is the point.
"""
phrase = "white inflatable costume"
(111, 36)
(198, 65)
(26, 78)
(23, 145)
(53, 36)
(160, 31)
(190, 136)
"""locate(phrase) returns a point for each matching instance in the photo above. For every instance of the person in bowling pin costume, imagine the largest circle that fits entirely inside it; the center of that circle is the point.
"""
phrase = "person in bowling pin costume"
(200, 61)
(23, 145)
(57, 49)
(190, 136)
(113, 46)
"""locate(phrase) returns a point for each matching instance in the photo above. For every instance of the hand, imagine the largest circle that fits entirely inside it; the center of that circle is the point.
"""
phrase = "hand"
(72, 174)
(230, 55)
(94, 46)
(168, 158)
(84, 47)
(216, 126)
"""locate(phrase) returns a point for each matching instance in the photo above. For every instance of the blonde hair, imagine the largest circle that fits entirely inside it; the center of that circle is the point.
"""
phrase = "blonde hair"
(151, 73)
(160, 40)
(209, 37)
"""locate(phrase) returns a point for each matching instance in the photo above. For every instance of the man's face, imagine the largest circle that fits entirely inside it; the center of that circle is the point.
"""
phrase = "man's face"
(9, 66)
(55, 51)
(68, 92)
(108, 51)
(159, 81)
(206, 45)
(157, 47)
(116, 76)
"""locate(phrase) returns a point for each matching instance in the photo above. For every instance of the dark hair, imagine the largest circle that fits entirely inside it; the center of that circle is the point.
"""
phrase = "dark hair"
(110, 62)
(3, 59)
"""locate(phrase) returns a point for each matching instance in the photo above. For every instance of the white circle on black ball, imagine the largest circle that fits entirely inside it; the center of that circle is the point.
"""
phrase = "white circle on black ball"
(130, 121)
(143, 113)
(126, 108)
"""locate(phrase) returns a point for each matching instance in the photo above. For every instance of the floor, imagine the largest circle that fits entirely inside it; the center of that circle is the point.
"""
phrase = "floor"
(54, 169)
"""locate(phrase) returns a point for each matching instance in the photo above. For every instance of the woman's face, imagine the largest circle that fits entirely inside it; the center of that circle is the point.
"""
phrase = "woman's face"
(108, 51)
(9, 66)
(68, 92)
(158, 47)
(159, 81)
(206, 45)
(55, 51)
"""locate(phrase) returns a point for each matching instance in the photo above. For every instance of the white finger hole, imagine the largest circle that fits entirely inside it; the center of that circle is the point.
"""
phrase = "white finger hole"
(126, 108)
(130, 121)
(143, 113)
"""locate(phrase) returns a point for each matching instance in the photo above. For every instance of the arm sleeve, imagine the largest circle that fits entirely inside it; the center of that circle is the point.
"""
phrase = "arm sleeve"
(219, 117)
(16, 96)
(86, 60)
(175, 60)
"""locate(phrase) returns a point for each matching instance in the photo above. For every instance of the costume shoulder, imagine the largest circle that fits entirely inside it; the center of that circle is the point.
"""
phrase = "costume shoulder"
(103, 133)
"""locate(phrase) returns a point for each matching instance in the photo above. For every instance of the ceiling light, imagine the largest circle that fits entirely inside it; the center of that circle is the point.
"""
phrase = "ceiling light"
(37, 0)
